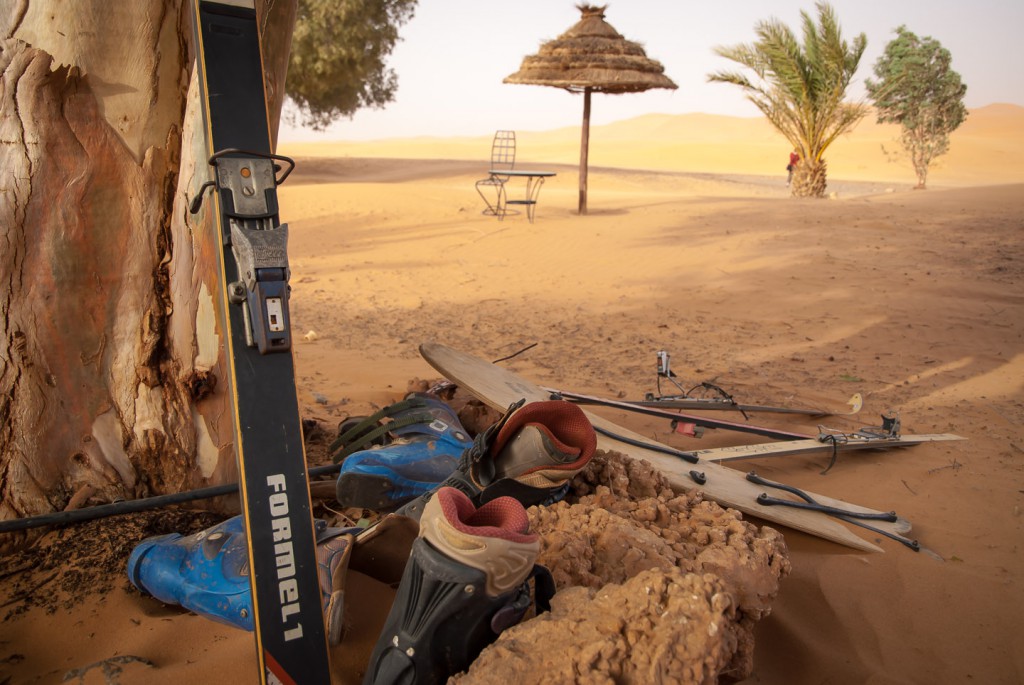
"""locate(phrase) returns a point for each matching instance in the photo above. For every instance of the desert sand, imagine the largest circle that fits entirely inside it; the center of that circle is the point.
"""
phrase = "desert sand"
(915, 299)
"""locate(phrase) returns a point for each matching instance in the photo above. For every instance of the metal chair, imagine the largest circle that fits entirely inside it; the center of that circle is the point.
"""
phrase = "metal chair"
(503, 158)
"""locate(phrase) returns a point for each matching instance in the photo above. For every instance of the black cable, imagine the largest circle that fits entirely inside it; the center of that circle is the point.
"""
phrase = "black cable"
(767, 500)
(833, 440)
(146, 503)
(841, 514)
(754, 478)
(135, 505)
(687, 456)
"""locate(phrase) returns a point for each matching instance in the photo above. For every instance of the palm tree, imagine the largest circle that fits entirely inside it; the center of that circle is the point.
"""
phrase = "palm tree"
(800, 88)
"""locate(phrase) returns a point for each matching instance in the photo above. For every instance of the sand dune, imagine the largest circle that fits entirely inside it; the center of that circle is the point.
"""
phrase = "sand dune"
(988, 148)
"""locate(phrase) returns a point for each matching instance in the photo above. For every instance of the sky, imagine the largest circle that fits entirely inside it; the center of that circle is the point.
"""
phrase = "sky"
(454, 54)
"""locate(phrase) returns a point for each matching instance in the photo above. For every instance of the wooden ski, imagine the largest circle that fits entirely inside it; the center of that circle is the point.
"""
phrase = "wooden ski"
(498, 387)
(849, 443)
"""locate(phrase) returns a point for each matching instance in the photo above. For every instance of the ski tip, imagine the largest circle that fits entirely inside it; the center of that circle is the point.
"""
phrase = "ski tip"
(431, 348)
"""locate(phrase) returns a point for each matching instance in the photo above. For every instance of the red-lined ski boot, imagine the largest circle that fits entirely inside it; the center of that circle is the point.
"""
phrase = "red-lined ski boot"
(531, 454)
(466, 580)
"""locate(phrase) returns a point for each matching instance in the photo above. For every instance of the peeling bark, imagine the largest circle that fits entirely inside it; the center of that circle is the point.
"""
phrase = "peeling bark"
(109, 350)
(82, 226)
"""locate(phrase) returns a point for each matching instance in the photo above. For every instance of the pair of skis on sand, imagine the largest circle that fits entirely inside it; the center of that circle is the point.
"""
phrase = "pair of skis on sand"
(817, 515)
(253, 286)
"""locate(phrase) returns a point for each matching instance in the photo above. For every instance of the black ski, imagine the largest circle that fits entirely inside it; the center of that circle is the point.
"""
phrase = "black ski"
(716, 403)
(681, 418)
(291, 640)
(722, 404)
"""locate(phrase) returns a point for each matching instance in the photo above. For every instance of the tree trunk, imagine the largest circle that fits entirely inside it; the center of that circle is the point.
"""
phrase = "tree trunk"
(921, 164)
(810, 178)
(110, 341)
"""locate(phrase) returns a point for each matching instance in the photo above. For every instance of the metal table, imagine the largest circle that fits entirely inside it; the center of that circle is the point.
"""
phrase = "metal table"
(534, 181)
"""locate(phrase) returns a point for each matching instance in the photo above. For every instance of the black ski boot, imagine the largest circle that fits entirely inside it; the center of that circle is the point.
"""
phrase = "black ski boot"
(531, 454)
(466, 580)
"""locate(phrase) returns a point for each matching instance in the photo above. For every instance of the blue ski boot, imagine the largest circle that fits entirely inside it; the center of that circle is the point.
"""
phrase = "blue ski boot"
(208, 572)
(466, 580)
(427, 440)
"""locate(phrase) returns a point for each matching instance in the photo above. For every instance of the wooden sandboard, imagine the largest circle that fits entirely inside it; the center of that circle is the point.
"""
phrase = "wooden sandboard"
(790, 447)
(498, 387)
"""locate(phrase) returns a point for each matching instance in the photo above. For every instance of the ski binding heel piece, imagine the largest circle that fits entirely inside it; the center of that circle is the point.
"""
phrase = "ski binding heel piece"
(259, 243)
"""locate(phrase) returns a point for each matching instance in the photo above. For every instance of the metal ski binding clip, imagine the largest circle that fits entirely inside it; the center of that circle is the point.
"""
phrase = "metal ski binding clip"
(890, 428)
(663, 371)
(247, 182)
(663, 368)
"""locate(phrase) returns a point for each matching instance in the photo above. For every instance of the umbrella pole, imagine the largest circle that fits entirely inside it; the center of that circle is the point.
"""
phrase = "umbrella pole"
(584, 151)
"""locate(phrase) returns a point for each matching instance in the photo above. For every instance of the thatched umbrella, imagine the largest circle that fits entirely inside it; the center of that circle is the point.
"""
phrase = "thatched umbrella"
(591, 57)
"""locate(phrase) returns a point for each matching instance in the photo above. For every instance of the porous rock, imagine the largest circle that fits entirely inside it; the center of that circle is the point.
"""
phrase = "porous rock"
(653, 586)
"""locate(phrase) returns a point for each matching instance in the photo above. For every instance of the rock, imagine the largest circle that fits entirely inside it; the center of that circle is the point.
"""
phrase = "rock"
(660, 626)
(652, 586)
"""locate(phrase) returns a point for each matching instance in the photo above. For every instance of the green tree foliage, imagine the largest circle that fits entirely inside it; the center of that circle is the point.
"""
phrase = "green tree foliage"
(800, 87)
(338, 56)
(917, 89)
